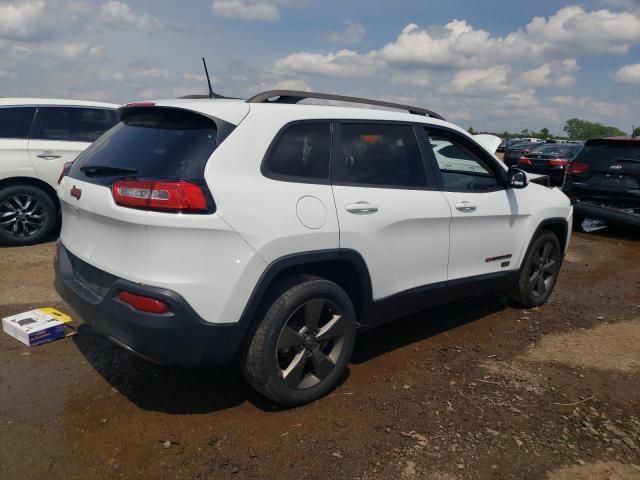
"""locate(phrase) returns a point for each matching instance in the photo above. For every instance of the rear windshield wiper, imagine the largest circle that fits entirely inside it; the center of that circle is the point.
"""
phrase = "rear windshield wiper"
(106, 170)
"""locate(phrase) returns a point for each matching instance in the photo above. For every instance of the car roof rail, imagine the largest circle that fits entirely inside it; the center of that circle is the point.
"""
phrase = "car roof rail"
(295, 96)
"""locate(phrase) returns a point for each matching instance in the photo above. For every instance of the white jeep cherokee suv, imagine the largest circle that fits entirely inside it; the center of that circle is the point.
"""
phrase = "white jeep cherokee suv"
(37, 137)
(196, 232)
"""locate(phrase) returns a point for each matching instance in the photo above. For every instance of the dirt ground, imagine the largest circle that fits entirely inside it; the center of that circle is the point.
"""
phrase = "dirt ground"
(472, 390)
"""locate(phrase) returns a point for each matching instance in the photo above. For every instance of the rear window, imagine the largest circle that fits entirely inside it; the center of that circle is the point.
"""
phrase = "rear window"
(610, 151)
(155, 143)
(15, 122)
(556, 149)
(73, 124)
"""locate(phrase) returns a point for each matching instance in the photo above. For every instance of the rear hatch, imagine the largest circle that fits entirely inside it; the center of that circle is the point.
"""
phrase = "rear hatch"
(142, 180)
(606, 170)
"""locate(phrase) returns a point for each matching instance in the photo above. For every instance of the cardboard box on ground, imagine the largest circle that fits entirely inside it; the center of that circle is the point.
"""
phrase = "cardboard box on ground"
(37, 327)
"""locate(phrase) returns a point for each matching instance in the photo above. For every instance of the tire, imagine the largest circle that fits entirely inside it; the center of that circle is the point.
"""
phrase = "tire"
(27, 215)
(539, 271)
(300, 348)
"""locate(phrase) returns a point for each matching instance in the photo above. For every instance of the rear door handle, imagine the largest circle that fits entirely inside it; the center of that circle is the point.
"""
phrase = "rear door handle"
(465, 206)
(361, 208)
(48, 155)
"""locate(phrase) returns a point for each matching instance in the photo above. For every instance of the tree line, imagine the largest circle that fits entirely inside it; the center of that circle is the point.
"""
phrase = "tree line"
(574, 128)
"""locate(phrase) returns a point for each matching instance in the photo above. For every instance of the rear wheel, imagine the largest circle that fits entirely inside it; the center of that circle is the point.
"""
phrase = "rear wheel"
(539, 271)
(27, 215)
(301, 347)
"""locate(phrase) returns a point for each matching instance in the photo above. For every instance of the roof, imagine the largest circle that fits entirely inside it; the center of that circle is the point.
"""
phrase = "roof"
(234, 111)
(51, 101)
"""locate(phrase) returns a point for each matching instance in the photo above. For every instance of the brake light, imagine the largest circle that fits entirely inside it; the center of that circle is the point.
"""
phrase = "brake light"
(558, 162)
(524, 161)
(142, 303)
(175, 196)
(65, 171)
(576, 168)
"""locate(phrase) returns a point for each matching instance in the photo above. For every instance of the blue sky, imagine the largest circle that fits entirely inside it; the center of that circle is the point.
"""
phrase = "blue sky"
(495, 64)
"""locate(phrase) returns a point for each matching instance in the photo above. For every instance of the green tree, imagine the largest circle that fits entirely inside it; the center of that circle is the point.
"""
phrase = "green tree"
(544, 133)
(472, 131)
(579, 129)
(636, 132)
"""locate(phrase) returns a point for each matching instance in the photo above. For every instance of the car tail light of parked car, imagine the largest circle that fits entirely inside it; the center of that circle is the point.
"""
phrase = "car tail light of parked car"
(576, 168)
(144, 304)
(65, 170)
(177, 196)
(524, 161)
(558, 162)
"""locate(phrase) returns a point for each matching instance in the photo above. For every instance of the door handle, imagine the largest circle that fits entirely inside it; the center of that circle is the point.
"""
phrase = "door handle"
(465, 206)
(361, 208)
(48, 155)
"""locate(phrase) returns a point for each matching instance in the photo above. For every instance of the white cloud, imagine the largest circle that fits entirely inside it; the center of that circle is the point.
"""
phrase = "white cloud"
(353, 32)
(343, 63)
(573, 28)
(153, 73)
(418, 78)
(119, 15)
(559, 74)
(629, 74)
(246, 9)
(570, 29)
(475, 80)
(20, 20)
(73, 50)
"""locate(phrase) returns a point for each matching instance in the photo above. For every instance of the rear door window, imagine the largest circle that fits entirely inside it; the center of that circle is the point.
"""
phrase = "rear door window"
(73, 124)
(15, 122)
(301, 153)
(378, 154)
(153, 143)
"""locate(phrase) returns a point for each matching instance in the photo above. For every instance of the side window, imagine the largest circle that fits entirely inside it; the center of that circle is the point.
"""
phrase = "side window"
(302, 151)
(73, 124)
(461, 169)
(15, 122)
(379, 154)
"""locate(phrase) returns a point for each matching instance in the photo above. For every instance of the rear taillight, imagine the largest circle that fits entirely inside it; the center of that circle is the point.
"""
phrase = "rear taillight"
(65, 171)
(144, 304)
(576, 168)
(524, 161)
(174, 196)
(556, 162)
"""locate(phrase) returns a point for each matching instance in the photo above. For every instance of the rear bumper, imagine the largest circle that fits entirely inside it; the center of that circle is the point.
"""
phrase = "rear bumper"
(179, 337)
(615, 216)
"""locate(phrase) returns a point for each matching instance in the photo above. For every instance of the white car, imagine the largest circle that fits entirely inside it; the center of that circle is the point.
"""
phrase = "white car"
(37, 137)
(196, 232)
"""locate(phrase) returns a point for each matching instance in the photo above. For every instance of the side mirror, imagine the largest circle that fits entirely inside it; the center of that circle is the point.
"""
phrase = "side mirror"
(517, 178)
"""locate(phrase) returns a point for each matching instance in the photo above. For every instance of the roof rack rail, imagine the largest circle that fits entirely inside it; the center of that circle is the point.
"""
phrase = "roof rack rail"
(295, 96)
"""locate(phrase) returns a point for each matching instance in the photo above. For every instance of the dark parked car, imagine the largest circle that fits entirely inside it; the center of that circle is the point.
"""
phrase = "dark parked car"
(549, 159)
(603, 181)
(507, 143)
(513, 153)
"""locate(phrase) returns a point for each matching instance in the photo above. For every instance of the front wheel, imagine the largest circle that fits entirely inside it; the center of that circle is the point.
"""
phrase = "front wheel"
(539, 271)
(301, 347)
